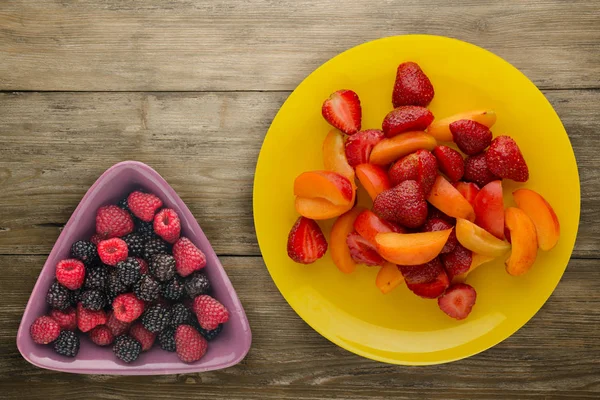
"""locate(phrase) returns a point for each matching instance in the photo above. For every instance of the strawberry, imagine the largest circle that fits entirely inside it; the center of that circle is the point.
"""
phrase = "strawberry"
(458, 261)
(44, 330)
(477, 171)
(188, 258)
(412, 86)
(504, 159)
(101, 335)
(469, 190)
(342, 110)
(420, 166)
(406, 118)
(143, 205)
(435, 213)
(88, 320)
(210, 312)
(70, 273)
(471, 137)
(362, 251)
(430, 284)
(167, 225)
(67, 319)
(404, 204)
(359, 146)
(450, 162)
(112, 221)
(306, 242)
(423, 273)
(458, 300)
(189, 344)
(438, 224)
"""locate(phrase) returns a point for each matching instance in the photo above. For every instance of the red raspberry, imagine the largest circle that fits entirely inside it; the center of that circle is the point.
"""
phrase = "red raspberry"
(70, 273)
(142, 335)
(189, 344)
(44, 330)
(167, 225)
(112, 251)
(96, 238)
(143, 265)
(127, 307)
(144, 205)
(210, 312)
(101, 335)
(116, 327)
(188, 258)
(112, 221)
(67, 319)
(88, 320)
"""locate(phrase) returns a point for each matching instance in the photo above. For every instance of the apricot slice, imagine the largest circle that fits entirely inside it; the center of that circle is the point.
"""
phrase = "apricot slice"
(368, 225)
(524, 241)
(374, 179)
(476, 261)
(319, 209)
(334, 155)
(448, 200)
(391, 149)
(327, 185)
(411, 248)
(440, 129)
(478, 240)
(489, 209)
(340, 253)
(388, 278)
(543, 216)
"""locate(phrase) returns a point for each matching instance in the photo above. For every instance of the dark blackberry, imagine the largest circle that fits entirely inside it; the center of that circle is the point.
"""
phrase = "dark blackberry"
(96, 277)
(147, 288)
(123, 204)
(173, 289)
(76, 296)
(155, 246)
(156, 318)
(209, 335)
(135, 244)
(93, 300)
(85, 251)
(67, 344)
(129, 271)
(180, 314)
(166, 339)
(114, 286)
(145, 229)
(58, 296)
(127, 348)
(197, 284)
(162, 266)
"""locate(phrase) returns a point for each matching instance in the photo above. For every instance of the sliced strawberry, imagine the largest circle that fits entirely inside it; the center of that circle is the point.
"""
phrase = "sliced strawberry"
(450, 162)
(471, 137)
(368, 225)
(489, 209)
(406, 118)
(438, 224)
(468, 190)
(412, 86)
(458, 261)
(342, 110)
(362, 251)
(504, 159)
(432, 288)
(458, 300)
(306, 243)
(359, 146)
(420, 166)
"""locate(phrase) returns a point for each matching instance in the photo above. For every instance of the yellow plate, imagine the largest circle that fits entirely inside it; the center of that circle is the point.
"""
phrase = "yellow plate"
(399, 327)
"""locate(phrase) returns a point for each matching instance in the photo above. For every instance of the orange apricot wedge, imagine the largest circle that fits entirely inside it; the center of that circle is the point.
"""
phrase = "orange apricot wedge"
(440, 129)
(334, 155)
(388, 278)
(411, 248)
(523, 238)
(340, 253)
(478, 240)
(319, 209)
(391, 149)
(543, 216)
(373, 178)
(446, 198)
(327, 185)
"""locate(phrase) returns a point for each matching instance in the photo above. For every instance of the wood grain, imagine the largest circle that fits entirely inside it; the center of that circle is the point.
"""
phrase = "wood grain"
(272, 45)
(554, 356)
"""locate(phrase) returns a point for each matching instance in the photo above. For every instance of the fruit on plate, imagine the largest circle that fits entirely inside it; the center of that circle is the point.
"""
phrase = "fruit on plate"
(434, 224)
(469, 191)
(388, 278)
(340, 253)
(343, 111)
(543, 216)
(420, 166)
(505, 160)
(327, 185)
(360, 146)
(306, 242)
(391, 149)
(489, 209)
(471, 137)
(458, 301)
(411, 248)
(440, 129)
(406, 118)
(362, 251)
(373, 178)
(448, 199)
(404, 204)
(458, 261)
(524, 241)
(450, 162)
(368, 225)
(412, 86)
(428, 280)
(478, 240)
(319, 209)
(477, 171)
(334, 155)
(476, 261)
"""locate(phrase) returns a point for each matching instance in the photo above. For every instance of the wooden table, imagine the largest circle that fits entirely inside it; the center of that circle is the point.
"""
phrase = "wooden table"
(190, 87)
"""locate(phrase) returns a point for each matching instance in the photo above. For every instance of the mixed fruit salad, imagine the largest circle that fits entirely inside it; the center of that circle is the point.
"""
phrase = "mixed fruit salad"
(437, 198)
(136, 281)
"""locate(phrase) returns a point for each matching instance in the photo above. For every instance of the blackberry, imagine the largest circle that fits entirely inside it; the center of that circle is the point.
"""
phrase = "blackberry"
(155, 246)
(114, 286)
(67, 344)
(145, 229)
(129, 271)
(209, 335)
(135, 244)
(166, 339)
(197, 284)
(162, 266)
(93, 300)
(123, 204)
(96, 277)
(127, 348)
(85, 251)
(58, 296)
(156, 318)
(173, 289)
(180, 314)
(147, 288)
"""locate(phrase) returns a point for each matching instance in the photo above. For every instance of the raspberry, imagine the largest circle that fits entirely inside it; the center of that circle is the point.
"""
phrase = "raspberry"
(114, 286)
(173, 289)
(210, 335)
(156, 318)
(70, 273)
(96, 238)
(155, 246)
(162, 267)
(147, 289)
(67, 320)
(188, 258)
(143, 265)
(127, 348)
(197, 284)
(93, 300)
(85, 251)
(88, 320)
(96, 277)
(167, 225)
(210, 312)
(189, 344)
(44, 330)
(101, 335)
(58, 296)
(180, 314)
(112, 221)
(144, 229)
(127, 307)
(67, 344)
(166, 339)
(143, 205)
(142, 335)
(135, 243)
(112, 251)
(116, 327)
(129, 271)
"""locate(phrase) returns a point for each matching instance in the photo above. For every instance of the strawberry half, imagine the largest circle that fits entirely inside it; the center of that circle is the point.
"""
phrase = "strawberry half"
(458, 301)
(406, 118)
(412, 86)
(505, 160)
(342, 110)
(362, 251)
(306, 243)
(360, 145)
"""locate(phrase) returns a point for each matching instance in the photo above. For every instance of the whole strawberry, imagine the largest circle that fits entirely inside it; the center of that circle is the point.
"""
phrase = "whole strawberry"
(167, 225)
(210, 312)
(404, 204)
(471, 137)
(88, 320)
(101, 335)
(505, 160)
(438, 224)
(44, 330)
(112, 221)
(189, 344)
(127, 307)
(420, 166)
(477, 171)
(412, 86)
(343, 111)
(67, 319)
(144, 205)
(406, 118)
(112, 251)
(70, 273)
(188, 258)
(458, 261)
(450, 162)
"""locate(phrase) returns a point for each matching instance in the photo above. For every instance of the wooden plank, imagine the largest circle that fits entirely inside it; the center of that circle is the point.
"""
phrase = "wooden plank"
(272, 45)
(54, 145)
(554, 356)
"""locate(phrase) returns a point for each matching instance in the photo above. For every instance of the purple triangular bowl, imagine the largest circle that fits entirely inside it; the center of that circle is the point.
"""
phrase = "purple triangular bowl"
(228, 349)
